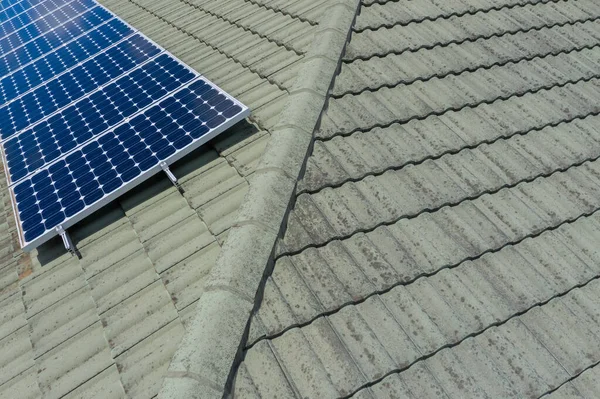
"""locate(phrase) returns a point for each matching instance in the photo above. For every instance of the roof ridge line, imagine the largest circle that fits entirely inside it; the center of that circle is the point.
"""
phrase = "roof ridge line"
(212, 346)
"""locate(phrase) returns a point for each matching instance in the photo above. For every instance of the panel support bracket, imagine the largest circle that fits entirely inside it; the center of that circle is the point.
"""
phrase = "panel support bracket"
(67, 241)
(171, 176)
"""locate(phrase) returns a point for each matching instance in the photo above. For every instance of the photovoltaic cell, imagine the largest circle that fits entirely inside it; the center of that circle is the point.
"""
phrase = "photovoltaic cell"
(91, 109)
(65, 32)
(45, 24)
(74, 84)
(10, 3)
(29, 14)
(81, 47)
(107, 164)
(12, 8)
(128, 53)
(91, 116)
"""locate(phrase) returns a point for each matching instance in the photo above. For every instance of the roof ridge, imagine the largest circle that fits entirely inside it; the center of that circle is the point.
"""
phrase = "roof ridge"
(204, 364)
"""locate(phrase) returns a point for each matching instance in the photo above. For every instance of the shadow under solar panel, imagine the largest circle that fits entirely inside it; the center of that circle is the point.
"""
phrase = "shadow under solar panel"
(120, 111)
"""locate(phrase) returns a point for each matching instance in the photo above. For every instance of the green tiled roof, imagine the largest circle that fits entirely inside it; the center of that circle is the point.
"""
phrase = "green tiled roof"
(411, 211)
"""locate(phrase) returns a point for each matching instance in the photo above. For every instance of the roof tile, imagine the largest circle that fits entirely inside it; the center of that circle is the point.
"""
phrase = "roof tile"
(138, 317)
(61, 321)
(185, 280)
(12, 314)
(261, 365)
(143, 366)
(122, 280)
(106, 384)
(54, 285)
(16, 355)
(73, 362)
(25, 386)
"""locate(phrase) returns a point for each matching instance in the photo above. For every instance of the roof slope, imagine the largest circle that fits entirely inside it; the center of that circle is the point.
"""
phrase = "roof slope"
(444, 238)
(109, 323)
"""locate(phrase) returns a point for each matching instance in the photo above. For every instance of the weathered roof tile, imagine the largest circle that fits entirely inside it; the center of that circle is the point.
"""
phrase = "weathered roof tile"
(25, 386)
(61, 321)
(73, 362)
(106, 384)
(122, 280)
(185, 280)
(143, 366)
(442, 242)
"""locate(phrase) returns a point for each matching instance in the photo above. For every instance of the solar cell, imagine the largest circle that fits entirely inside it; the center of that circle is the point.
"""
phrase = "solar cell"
(74, 84)
(10, 3)
(58, 17)
(112, 161)
(29, 13)
(90, 109)
(91, 116)
(124, 55)
(63, 33)
(81, 46)
(11, 8)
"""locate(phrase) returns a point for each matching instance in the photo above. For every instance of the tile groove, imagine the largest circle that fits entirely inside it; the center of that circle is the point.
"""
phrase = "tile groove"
(538, 89)
(450, 204)
(573, 377)
(480, 332)
(425, 275)
(234, 23)
(448, 16)
(579, 21)
(469, 39)
(379, 172)
(213, 47)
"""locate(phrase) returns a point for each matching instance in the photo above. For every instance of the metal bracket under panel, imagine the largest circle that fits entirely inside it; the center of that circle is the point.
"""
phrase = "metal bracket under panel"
(171, 176)
(67, 241)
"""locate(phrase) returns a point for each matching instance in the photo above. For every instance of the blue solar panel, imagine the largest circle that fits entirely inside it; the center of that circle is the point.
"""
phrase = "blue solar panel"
(27, 13)
(12, 8)
(124, 55)
(58, 17)
(9, 3)
(80, 48)
(91, 109)
(57, 37)
(91, 116)
(75, 84)
(115, 159)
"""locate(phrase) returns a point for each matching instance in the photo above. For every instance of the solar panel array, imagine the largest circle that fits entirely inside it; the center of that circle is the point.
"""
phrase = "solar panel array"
(90, 107)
